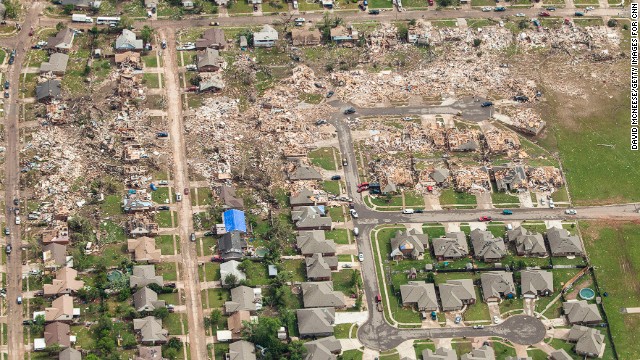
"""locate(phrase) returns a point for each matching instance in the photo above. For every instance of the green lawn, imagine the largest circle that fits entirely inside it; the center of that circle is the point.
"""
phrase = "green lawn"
(537, 354)
(421, 346)
(161, 196)
(165, 244)
(112, 205)
(173, 323)
(444, 23)
(451, 197)
(324, 157)
(113, 232)
(211, 270)
(381, 200)
(167, 270)
(217, 297)
(380, 4)
(257, 274)
(502, 350)
(341, 331)
(310, 98)
(352, 355)
(342, 281)
(208, 245)
(204, 196)
(164, 219)
(511, 304)
(433, 231)
(296, 268)
(339, 236)
(151, 80)
(336, 214)
(412, 198)
(461, 347)
(239, 7)
(331, 187)
(114, 254)
(504, 198)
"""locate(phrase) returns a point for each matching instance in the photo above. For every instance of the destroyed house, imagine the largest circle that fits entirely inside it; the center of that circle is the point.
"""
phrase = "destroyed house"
(146, 299)
(510, 178)
(313, 242)
(341, 34)
(305, 37)
(306, 197)
(439, 354)
(310, 218)
(419, 294)
(545, 177)
(136, 205)
(144, 249)
(129, 58)
(486, 247)
(232, 246)
(55, 256)
(61, 42)
(536, 283)
(212, 84)
(527, 243)
(319, 267)
(58, 333)
(323, 349)
(408, 244)
(212, 38)
(414, 35)
(455, 294)
(241, 350)
(581, 312)
(151, 4)
(150, 330)
(462, 140)
(243, 298)
(235, 323)
(127, 42)
(58, 235)
(82, 4)
(56, 65)
(141, 227)
(234, 220)
(589, 342)
(497, 285)
(64, 283)
(321, 294)
(209, 60)
(304, 172)
(149, 353)
(144, 275)
(561, 243)
(499, 141)
(266, 37)
(49, 90)
(484, 353)
(229, 199)
(451, 246)
(468, 179)
(61, 309)
(316, 322)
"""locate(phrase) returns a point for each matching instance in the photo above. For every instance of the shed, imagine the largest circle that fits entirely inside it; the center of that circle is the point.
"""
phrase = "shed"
(273, 270)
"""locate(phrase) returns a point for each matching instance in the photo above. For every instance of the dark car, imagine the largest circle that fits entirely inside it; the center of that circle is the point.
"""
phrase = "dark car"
(330, 94)
(579, 13)
(11, 60)
(551, 8)
(521, 98)
(16, 201)
(6, 84)
(374, 12)
(163, 207)
(350, 110)
(8, 249)
(27, 322)
(6, 94)
(486, 104)
(418, 211)
(336, 177)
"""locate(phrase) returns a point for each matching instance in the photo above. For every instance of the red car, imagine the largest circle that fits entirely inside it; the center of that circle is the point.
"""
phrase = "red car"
(544, 14)
(378, 298)
(186, 191)
(484, 218)
(363, 185)
(430, 2)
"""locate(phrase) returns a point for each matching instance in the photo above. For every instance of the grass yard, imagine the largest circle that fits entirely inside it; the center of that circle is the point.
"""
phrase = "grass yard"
(354, 354)
(339, 236)
(112, 205)
(451, 197)
(331, 187)
(161, 196)
(478, 23)
(461, 347)
(113, 232)
(412, 198)
(342, 281)
(336, 214)
(211, 270)
(297, 269)
(433, 231)
(257, 274)
(537, 354)
(502, 350)
(113, 255)
(151, 80)
(310, 98)
(380, 4)
(510, 305)
(444, 23)
(204, 196)
(217, 297)
(324, 157)
(164, 219)
(239, 7)
(174, 323)
(208, 246)
(165, 244)
(167, 270)
(341, 331)
(422, 346)
(504, 198)
(380, 200)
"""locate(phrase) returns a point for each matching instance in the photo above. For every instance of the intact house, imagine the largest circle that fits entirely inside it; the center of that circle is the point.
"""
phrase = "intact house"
(589, 342)
(235, 322)
(497, 285)
(209, 60)
(455, 294)
(419, 294)
(232, 246)
(316, 322)
(231, 268)
(146, 299)
(344, 34)
(127, 42)
(510, 177)
(304, 172)
(319, 267)
(55, 256)
(144, 275)
(581, 312)
(536, 283)
(61, 310)
(82, 4)
(310, 218)
(241, 350)
(306, 197)
(321, 294)
(314, 242)
(229, 199)
(451, 246)
(61, 42)
(560, 355)
(484, 353)
(527, 243)
(212, 38)
(144, 249)
(49, 90)
(325, 348)
(70, 354)
(64, 283)
(243, 298)
(409, 244)
(561, 243)
(58, 333)
(441, 176)
(234, 220)
(486, 247)
(150, 330)
(439, 354)
(266, 37)
(305, 37)
(56, 65)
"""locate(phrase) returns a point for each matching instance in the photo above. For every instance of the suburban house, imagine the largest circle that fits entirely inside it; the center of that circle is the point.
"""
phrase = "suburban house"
(343, 34)
(509, 177)
(58, 333)
(64, 283)
(266, 37)
(62, 42)
(70, 354)
(306, 197)
(61, 309)
(439, 354)
(231, 268)
(235, 322)
(310, 218)
(127, 42)
(497, 285)
(319, 267)
(49, 90)
(149, 353)
(589, 342)
(560, 355)
(581, 312)
(232, 245)
(486, 247)
(527, 243)
(150, 330)
(144, 275)
(316, 322)
(82, 4)
(212, 38)
(242, 298)
(451, 246)
(484, 353)
(241, 350)
(55, 256)
(229, 199)
(306, 37)
(324, 348)
(321, 294)
(455, 294)
(146, 299)
(144, 250)
(234, 220)
(420, 294)
(56, 65)
(209, 60)
(409, 244)
(536, 283)
(304, 172)
(314, 242)
(441, 176)
(561, 243)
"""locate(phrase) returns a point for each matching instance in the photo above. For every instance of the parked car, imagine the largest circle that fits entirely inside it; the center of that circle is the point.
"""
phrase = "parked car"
(347, 266)
(374, 12)
(521, 98)
(349, 110)
(458, 319)
(344, 161)
(570, 212)
(193, 237)
(544, 14)
(336, 177)
(551, 8)
(7, 249)
(589, 8)
(178, 197)
(162, 134)
(486, 9)
(186, 191)
(214, 23)
(352, 206)
(419, 211)
(484, 218)
(6, 94)
(164, 208)
(408, 211)
(16, 201)
(7, 231)
(507, 212)
(330, 94)
(19, 300)
(18, 220)
(500, 8)
(6, 84)
(353, 213)
(361, 256)
(209, 233)
(378, 298)
(579, 13)
(486, 104)
(217, 258)
(520, 15)
(356, 231)
(163, 44)
(478, 326)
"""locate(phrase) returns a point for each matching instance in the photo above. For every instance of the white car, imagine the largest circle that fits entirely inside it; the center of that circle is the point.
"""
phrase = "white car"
(361, 256)
(407, 118)
(486, 9)
(18, 220)
(589, 8)
(408, 211)
(520, 15)
(570, 212)
(353, 213)
(496, 319)
(347, 266)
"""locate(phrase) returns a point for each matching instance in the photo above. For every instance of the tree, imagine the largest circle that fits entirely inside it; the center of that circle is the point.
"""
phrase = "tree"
(444, 3)
(161, 313)
(297, 350)
(170, 353)
(92, 357)
(216, 316)
(412, 22)
(230, 280)
(11, 9)
(403, 33)
(523, 24)
(265, 334)
(146, 33)
(68, 9)
(128, 340)
(171, 349)
(476, 42)
(124, 294)
(59, 26)
(612, 23)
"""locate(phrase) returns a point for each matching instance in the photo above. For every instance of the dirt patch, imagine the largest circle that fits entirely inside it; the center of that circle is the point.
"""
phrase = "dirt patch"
(573, 295)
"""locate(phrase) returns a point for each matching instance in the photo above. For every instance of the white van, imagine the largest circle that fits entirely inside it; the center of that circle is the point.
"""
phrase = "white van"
(178, 197)
(551, 204)
(408, 211)
(17, 220)
(356, 231)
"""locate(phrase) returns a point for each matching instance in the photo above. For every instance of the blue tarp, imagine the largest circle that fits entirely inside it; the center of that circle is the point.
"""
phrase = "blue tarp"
(234, 220)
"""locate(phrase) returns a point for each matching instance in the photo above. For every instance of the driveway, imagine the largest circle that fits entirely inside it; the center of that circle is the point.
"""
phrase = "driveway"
(352, 317)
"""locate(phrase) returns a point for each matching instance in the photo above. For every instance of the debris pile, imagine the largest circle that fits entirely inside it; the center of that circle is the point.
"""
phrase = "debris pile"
(500, 141)
(462, 139)
(545, 178)
(471, 179)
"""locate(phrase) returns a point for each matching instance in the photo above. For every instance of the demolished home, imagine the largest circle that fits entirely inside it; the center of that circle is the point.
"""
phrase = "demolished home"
(545, 178)
(527, 243)
(243, 298)
(510, 178)
(146, 299)
(62, 42)
(409, 244)
(232, 245)
(441, 176)
(497, 285)
(310, 218)
(56, 65)
(319, 267)
(321, 294)
(419, 294)
(266, 37)
(144, 250)
(536, 283)
(343, 34)
(316, 322)
(589, 342)
(454, 294)
(212, 38)
(64, 283)
(144, 275)
(471, 179)
(462, 139)
(150, 330)
(312, 242)
(82, 4)
(581, 312)
(235, 322)
(500, 141)
(306, 37)
(149, 353)
(561, 243)
(486, 247)
(451, 246)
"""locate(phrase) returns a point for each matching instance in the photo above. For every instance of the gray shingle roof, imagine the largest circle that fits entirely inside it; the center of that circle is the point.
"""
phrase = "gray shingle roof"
(62, 41)
(304, 172)
(536, 282)
(497, 284)
(242, 350)
(579, 312)
(588, 341)
(231, 267)
(231, 245)
(146, 299)
(323, 349)
(440, 175)
(57, 252)
(454, 293)
(409, 240)
(310, 217)
(70, 354)
(49, 89)
(560, 355)
(313, 241)
(242, 298)
(316, 321)
(229, 198)
(303, 197)
(150, 329)
(209, 57)
(127, 41)
(452, 246)
(211, 38)
(561, 242)
(57, 63)
(144, 275)
(319, 266)
(487, 247)
(439, 354)
(527, 242)
(321, 294)
(421, 294)
(483, 353)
